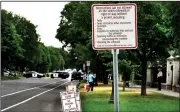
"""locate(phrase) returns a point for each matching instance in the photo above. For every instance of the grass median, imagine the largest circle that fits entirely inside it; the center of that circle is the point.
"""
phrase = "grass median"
(130, 101)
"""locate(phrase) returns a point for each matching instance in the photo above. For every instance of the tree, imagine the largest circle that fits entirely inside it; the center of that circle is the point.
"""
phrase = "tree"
(27, 37)
(75, 30)
(57, 60)
(30, 41)
(44, 62)
(125, 69)
(152, 34)
(174, 13)
(11, 41)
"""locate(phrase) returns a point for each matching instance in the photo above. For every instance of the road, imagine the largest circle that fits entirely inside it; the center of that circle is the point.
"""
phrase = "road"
(32, 94)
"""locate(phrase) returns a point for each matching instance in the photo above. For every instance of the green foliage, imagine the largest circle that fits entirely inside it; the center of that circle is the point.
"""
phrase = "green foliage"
(57, 60)
(21, 47)
(125, 69)
(11, 41)
(174, 14)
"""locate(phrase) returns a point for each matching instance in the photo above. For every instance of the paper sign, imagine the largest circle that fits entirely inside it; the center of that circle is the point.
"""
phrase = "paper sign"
(77, 96)
(78, 104)
(67, 95)
(72, 88)
(69, 105)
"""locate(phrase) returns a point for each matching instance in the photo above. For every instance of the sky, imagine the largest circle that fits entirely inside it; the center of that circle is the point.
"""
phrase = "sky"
(46, 15)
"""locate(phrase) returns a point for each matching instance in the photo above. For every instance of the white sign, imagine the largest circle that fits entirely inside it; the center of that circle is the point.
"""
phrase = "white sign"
(88, 63)
(72, 88)
(67, 95)
(55, 74)
(84, 66)
(34, 74)
(78, 104)
(114, 26)
(71, 101)
(77, 96)
(69, 105)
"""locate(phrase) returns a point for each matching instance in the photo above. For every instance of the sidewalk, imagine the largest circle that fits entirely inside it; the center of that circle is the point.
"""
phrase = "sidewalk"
(163, 91)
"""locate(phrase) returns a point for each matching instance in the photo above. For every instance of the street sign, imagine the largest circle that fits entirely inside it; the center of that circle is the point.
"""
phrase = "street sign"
(88, 63)
(114, 26)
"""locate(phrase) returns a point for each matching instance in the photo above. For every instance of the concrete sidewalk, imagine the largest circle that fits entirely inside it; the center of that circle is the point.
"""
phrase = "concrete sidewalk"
(163, 91)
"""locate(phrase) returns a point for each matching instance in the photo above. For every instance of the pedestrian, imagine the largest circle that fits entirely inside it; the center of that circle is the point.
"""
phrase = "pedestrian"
(159, 78)
(90, 80)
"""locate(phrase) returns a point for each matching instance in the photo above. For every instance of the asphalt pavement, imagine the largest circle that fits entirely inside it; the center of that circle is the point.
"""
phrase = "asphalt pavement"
(33, 94)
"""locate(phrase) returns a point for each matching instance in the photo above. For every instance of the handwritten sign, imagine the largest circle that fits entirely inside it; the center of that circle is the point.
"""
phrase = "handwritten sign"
(71, 101)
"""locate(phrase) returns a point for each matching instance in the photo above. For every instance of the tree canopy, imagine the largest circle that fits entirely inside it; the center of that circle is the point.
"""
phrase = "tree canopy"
(21, 46)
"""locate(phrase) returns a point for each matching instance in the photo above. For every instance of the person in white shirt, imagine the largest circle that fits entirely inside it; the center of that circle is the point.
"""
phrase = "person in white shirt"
(159, 78)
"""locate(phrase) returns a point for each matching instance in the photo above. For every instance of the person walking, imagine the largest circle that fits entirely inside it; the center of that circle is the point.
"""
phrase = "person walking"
(90, 80)
(159, 78)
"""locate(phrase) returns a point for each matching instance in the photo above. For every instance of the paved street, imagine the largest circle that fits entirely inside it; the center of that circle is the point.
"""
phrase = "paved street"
(32, 94)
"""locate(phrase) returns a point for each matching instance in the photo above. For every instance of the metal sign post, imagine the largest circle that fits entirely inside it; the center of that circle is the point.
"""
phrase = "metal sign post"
(115, 78)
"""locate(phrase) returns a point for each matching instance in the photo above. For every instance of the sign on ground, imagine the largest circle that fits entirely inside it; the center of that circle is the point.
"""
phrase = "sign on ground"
(71, 88)
(114, 26)
(70, 101)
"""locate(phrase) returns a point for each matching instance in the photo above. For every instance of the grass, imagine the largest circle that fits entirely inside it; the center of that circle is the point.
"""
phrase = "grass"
(9, 77)
(130, 101)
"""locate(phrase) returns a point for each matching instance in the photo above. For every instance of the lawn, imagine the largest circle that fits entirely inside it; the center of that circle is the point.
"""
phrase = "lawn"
(130, 101)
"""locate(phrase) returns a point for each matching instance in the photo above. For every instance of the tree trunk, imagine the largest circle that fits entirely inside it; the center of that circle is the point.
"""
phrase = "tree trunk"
(2, 71)
(144, 75)
(111, 100)
(97, 72)
(124, 85)
(105, 78)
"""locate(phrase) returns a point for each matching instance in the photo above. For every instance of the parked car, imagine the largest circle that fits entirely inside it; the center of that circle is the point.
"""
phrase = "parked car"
(33, 74)
(60, 74)
(77, 76)
(8, 73)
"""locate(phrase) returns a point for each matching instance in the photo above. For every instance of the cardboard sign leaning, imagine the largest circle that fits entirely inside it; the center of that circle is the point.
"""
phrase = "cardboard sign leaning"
(71, 99)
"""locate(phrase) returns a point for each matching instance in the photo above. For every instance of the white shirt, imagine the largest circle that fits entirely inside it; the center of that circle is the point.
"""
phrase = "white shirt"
(159, 74)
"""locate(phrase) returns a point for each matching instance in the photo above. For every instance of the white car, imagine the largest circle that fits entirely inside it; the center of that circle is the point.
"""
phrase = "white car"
(6, 73)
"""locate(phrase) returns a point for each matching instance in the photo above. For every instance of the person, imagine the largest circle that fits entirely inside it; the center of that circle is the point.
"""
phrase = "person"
(159, 78)
(90, 80)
